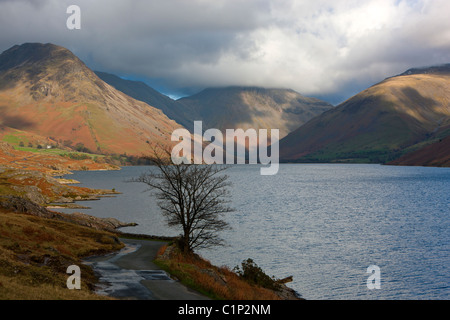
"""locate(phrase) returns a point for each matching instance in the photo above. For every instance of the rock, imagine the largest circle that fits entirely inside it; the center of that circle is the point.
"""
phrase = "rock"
(286, 293)
(67, 181)
(100, 223)
(6, 148)
(23, 205)
(286, 280)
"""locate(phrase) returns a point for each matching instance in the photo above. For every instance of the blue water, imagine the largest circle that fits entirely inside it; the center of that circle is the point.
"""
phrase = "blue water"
(324, 224)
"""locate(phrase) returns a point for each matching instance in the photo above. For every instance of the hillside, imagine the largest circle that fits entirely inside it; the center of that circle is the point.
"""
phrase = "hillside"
(229, 107)
(436, 154)
(396, 116)
(142, 92)
(46, 90)
(36, 251)
(252, 107)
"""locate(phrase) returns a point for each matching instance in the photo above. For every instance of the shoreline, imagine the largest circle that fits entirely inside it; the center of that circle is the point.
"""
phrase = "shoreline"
(156, 288)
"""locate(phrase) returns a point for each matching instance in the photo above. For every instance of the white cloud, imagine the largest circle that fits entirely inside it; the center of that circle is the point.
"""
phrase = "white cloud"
(315, 47)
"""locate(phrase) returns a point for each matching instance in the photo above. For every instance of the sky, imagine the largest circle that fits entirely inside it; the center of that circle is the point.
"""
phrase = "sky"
(326, 49)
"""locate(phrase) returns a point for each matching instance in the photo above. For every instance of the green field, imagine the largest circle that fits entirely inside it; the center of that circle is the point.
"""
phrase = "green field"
(60, 152)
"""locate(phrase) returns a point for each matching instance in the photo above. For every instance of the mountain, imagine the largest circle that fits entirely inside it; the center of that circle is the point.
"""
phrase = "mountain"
(390, 119)
(46, 90)
(142, 92)
(252, 107)
(229, 107)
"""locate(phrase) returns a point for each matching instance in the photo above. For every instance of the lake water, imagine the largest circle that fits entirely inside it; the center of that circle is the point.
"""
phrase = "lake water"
(324, 224)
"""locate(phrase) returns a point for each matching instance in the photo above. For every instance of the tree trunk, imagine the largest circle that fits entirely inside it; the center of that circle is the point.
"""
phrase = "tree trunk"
(185, 243)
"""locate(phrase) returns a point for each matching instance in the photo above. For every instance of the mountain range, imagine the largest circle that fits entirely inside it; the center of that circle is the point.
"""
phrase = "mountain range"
(229, 107)
(48, 94)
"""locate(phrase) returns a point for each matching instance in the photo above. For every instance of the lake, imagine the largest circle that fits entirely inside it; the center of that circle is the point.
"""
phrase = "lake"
(323, 224)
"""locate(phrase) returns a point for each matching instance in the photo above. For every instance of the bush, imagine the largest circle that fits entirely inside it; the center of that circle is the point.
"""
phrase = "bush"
(78, 156)
(255, 275)
(81, 148)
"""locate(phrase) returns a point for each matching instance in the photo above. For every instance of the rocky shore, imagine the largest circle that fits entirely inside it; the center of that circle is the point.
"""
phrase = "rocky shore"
(43, 189)
(22, 205)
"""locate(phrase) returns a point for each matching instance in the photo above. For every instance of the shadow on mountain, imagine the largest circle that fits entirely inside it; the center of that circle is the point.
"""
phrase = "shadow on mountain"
(14, 121)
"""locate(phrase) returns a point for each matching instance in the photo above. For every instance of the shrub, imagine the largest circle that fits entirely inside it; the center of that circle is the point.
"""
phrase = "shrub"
(81, 148)
(255, 275)
(78, 156)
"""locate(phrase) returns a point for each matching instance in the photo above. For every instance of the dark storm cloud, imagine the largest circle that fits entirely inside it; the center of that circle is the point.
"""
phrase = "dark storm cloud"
(315, 47)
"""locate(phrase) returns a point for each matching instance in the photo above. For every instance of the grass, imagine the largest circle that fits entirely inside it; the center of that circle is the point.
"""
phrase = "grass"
(20, 141)
(35, 253)
(60, 152)
(218, 283)
(14, 139)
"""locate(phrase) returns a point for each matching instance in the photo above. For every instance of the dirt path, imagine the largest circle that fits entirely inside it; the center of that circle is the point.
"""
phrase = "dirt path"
(131, 274)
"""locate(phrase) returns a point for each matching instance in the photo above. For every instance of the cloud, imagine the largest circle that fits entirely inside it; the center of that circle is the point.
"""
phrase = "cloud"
(315, 47)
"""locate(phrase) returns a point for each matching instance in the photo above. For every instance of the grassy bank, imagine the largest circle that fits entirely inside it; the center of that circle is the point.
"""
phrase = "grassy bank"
(220, 283)
(35, 253)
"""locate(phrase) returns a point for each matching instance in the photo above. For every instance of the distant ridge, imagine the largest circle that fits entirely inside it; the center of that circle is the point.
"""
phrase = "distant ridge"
(253, 107)
(439, 69)
(228, 107)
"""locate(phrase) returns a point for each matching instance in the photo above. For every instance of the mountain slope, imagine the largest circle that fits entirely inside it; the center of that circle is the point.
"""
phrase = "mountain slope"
(436, 154)
(252, 107)
(142, 92)
(46, 90)
(380, 123)
(229, 108)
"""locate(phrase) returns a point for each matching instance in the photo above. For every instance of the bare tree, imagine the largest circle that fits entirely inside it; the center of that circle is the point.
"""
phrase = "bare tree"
(192, 197)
